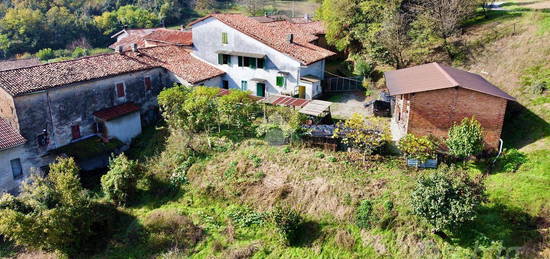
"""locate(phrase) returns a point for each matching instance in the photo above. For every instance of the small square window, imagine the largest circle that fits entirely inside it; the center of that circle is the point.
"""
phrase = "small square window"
(120, 91)
(16, 168)
(148, 83)
(240, 61)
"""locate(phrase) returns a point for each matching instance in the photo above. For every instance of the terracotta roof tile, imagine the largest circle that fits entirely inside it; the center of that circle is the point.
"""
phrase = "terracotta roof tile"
(9, 137)
(435, 76)
(274, 34)
(127, 41)
(176, 59)
(171, 37)
(116, 112)
(19, 63)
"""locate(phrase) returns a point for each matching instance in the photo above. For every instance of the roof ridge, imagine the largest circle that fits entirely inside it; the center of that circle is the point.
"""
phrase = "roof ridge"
(449, 77)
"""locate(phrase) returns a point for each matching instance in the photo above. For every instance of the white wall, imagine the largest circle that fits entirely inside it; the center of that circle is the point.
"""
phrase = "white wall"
(207, 41)
(125, 128)
(7, 182)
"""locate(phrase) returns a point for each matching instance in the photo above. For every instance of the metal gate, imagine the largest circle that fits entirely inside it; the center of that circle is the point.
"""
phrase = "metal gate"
(343, 84)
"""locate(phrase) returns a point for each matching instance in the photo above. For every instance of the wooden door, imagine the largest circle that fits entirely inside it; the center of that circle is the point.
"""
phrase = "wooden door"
(302, 92)
(260, 89)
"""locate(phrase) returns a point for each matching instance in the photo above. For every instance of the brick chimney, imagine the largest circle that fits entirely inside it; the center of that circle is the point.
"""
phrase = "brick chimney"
(290, 38)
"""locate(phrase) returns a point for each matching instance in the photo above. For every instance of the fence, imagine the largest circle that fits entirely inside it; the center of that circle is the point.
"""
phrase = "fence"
(343, 84)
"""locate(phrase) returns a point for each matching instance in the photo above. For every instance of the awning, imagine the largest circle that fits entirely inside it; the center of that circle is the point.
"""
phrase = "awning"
(316, 108)
(116, 111)
(237, 53)
(258, 80)
(311, 79)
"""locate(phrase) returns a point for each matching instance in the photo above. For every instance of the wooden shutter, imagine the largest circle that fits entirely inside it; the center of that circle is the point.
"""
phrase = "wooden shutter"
(148, 83)
(220, 59)
(75, 130)
(120, 90)
(224, 38)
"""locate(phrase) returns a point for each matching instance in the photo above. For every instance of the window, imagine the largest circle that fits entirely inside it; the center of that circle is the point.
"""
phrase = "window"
(246, 61)
(224, 59)
(225, 84)
(120, 91)
(240, 61)
(148, 83)
(75, 131)
(261, 63)
(225, 39)
(16, 168)
(244, 85)
(281, 81)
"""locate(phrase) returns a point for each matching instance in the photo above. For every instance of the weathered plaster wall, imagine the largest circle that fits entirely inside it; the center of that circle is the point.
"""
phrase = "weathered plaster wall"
(125, 128)
(7, 109)
(7, 182)
(434, 112)
(207, 40)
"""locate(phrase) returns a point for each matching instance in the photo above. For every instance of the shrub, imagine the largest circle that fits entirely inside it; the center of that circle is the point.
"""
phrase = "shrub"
(320, 155)
(120, 183)
(536, 79)
(246, 217)
(447, 198)
(51, 214)
(79, 52)
(367, 136)
(511, 160)
(287, 221)
(45, 54)
(332, 159)
(168, 229)
(364, 214)
(421, 148)
(465, 139)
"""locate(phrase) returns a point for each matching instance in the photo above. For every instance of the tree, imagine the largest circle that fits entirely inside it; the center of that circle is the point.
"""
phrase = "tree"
(396, 41)
(367, 136)
(238, 109)
(120, 183)
(51, 213)
(62, 26)
(171, 102)
(128, 16)
(465, 139)
(447, 198)
(23, 27)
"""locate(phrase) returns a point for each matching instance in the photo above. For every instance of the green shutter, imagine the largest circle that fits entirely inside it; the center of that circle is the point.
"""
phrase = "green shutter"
(253, 63)
(220, 59)
(224, 38)
(280, 81)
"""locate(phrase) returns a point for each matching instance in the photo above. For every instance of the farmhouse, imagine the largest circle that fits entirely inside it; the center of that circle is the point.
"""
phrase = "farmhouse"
(50, 107)
(430, 98)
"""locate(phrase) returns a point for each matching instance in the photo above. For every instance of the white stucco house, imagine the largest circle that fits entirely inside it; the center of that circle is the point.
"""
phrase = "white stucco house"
(264, 55)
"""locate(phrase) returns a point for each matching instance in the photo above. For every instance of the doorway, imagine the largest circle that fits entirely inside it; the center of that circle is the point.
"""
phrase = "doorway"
(260, 89)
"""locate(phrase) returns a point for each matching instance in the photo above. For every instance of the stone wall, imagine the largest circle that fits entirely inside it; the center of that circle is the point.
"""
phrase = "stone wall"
(434, 112)
(7, 109)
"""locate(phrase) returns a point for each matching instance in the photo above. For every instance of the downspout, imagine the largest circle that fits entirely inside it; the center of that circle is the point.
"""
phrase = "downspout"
(51, 117)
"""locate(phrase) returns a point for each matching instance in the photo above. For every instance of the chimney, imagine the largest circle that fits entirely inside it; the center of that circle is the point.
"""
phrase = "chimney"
(119, 49)
(306, 17)
(134, 47)
(290, 38)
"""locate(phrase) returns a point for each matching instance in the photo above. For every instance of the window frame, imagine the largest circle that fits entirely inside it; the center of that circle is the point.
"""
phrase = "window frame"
(283, 81)
(244, 85)
(123, 90)
(224, 59)
(20, 173)
(148, 85)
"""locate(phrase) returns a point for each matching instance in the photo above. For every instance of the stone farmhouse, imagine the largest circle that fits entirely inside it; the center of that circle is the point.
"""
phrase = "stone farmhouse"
(430, 98)
(47, 110)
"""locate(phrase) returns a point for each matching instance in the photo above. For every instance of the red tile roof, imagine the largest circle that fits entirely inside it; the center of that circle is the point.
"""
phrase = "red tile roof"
(175, 59)
(171, 37)
(116, 112)
(274, 34)
(436, 76)
(9, 137)
(127, 41)
(19, 63)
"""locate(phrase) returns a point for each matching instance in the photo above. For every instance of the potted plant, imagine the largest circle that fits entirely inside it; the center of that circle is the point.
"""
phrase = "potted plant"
(419, 151)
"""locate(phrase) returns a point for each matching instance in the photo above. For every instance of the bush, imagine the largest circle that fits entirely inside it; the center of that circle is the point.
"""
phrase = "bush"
(169, 229)
(421, 148)
(246, 217)
(51, 214)
(465, 139)
(511, 160)
(447, 198)
(287, 221)
(364, 215)
(79, 52)
(45, 54)
(120, 183)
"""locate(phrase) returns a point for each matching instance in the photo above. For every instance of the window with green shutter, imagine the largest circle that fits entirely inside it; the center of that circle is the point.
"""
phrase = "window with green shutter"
(225, 40)
(253, 63)
(280, 81)
(220, 59)
(244, 85)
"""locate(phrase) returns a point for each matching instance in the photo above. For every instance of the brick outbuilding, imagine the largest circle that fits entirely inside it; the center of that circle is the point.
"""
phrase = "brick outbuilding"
(430, 98)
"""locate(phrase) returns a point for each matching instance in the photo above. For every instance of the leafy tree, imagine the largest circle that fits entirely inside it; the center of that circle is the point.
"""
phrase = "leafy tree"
(465, 139)
(4, 45)
(171, 102)
(51, 214)
(120, 183)
(253, 7)
(129, 16)
(62, 26)
(421, 148)
(45, 54)
(23, 28)
(367, 136)
(447, 198)
(238, 109)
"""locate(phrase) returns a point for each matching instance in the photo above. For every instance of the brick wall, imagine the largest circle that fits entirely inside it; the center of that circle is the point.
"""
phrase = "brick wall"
(434, 112)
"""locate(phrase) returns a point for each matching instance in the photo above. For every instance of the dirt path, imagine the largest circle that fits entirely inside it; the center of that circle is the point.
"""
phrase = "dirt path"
(346, 104)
